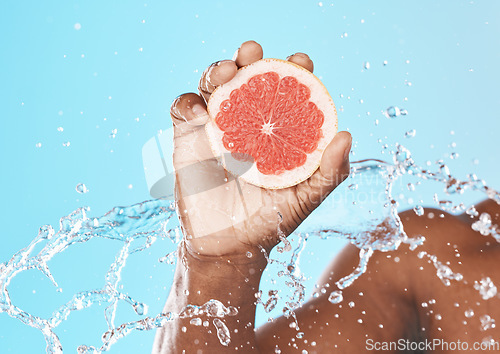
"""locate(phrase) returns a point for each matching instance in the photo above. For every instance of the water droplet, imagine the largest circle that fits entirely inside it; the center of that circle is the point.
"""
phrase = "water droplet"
(351, 304)
(472, 211)
(486, 288)
(320, 4)
(366, 65)
(222, 332)
(196, 321)
(385, 62)
(454, 155)
(487, 322)
(249, 254)
(393, 112)
(410, 133)
(140, 308)
(60, 129)
(66, 144)
(38, 145)
(77, 26)
(81, 188)
(419, 210)
(483, 225)
(113, 133)
(469, 313)
(335, 297)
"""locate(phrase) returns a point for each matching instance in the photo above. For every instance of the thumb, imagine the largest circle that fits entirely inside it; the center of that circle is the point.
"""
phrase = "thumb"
(333, 170)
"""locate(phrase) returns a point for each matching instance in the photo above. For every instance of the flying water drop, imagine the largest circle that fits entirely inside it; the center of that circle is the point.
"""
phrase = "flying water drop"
(222, 332)
(335, 297)
(81, 188)
(394, 112)
(486, 288)
(410, 133)
(487, 322)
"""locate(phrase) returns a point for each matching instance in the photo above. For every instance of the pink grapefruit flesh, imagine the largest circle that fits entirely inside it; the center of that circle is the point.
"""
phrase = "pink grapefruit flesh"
(271, 123)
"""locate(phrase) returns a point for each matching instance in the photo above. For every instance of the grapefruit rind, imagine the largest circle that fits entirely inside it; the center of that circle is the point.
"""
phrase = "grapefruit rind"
(319, 96)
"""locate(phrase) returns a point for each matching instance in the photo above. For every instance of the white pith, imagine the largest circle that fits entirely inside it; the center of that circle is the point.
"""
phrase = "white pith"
(319, 96)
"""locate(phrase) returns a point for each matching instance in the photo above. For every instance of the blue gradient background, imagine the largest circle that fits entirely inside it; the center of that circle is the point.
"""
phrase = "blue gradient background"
(96, 79)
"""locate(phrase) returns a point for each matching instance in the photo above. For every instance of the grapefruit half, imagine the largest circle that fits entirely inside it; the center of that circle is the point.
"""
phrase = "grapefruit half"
(271, 123)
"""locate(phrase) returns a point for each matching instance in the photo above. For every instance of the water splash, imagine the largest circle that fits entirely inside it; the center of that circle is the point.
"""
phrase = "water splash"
(372, 225)
(119, 224)
(222, 332)
(443, 272)
(282, 237)
(486, 288)
(487, 322)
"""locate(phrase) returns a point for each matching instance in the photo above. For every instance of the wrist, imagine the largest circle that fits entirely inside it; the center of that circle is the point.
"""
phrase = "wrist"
(233, 279)
(249, 263)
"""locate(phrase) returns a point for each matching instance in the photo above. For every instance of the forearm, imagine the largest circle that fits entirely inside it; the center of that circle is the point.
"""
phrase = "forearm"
(197, 281)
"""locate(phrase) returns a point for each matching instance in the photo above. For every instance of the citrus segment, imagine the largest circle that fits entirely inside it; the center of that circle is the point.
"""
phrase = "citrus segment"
(276, 116)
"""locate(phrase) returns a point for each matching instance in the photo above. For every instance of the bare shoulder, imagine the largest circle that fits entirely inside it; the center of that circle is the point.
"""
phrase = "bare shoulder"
(385, 303)
(448, 267)
(379, 306)
(442, 230)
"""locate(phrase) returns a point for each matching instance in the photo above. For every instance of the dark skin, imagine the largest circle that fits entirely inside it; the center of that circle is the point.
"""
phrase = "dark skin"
(393, 292)
(222, 256)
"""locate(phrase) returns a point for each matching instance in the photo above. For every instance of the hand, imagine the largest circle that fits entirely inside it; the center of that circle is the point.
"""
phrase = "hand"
(225, 216)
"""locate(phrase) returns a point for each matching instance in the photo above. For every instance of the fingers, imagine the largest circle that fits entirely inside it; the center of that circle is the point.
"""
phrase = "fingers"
(333, 170)
(188, 110)
(216, 74)
(191, 144)
(248, 53)
(303, 60)
(223, 71)
(200, 179)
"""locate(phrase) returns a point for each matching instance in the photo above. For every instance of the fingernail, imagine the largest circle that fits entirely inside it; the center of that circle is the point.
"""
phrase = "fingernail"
(200, 115)
(348, 149)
